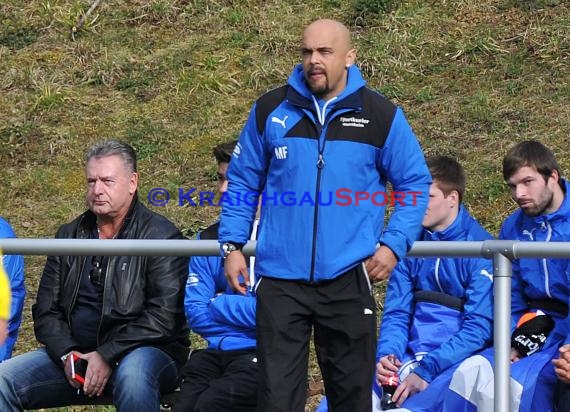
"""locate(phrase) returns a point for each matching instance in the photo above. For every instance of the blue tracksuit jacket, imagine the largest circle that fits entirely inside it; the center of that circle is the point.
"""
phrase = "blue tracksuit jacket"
(469, 279)
(14, 266)
(310, 160)
(224, 318)
(540, 279)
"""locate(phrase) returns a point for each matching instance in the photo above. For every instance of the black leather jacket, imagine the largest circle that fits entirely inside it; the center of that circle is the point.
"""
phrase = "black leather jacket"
(143, 300)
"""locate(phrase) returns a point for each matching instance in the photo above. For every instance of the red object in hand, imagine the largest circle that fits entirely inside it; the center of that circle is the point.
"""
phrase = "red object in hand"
(388, 390)
(78, 368)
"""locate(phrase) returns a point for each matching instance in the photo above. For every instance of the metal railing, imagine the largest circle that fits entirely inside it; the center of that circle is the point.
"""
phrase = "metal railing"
(501, 251)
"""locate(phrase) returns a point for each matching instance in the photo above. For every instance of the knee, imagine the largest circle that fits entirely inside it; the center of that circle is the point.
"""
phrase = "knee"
(135, 373)
(8, 375)
(130, 381)
(10, 387)
(136, 393)
(209, 403)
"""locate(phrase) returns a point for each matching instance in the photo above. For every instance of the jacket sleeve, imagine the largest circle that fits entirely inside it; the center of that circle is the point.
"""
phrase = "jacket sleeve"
(403, 163)
(4, 294)
(246, 176)
(50, 323)
(397, 315)
(567, 320)
(201, 289)
(476, 328)
(14, 266)
(235, 310)
(164, 300)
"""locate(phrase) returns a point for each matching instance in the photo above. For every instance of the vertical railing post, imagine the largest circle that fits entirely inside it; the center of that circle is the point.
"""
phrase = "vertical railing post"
(502, 272)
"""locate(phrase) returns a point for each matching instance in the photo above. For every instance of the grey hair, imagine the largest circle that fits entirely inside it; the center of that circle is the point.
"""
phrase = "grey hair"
(114, 148)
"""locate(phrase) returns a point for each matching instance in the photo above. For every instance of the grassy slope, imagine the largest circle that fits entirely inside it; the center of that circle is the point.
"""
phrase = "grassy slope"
(176, 77)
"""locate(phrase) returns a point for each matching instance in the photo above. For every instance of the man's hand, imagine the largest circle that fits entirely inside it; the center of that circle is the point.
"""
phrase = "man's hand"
(410, 386)
(515, 355)
(67, 370)
(386, 368)
(97, 375)
(380, 265)
(562, 364)
(236, 268)
(3, 330)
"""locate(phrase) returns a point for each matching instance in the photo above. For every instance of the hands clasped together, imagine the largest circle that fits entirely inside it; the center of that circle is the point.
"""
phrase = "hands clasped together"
(387, 367)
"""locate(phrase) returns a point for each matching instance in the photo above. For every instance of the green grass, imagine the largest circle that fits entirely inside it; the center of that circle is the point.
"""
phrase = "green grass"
(176, 77)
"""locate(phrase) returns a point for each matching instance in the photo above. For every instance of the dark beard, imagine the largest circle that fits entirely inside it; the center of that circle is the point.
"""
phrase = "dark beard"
(318, 91)
(547, 205)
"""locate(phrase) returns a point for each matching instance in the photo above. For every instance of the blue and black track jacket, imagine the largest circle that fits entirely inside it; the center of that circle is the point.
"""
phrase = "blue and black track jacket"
(541, 283)
(310, 160)
(226, 319)
(469, 279)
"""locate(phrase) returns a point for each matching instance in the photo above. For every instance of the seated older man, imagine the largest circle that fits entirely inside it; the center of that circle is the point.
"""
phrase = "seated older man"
(122, 315)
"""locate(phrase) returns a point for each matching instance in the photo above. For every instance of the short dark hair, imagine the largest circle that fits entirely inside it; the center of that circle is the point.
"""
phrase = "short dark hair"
(114, 148)
(530, 153)
(448, 174)
(223, 151)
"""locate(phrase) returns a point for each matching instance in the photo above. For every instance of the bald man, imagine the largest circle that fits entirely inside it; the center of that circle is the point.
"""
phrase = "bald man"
(319, 152)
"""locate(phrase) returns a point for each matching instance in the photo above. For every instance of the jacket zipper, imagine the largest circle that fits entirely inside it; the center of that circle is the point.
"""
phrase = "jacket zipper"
(320, 165)
(545, 266)
(321, 116)
(75, 292)
(107, 271)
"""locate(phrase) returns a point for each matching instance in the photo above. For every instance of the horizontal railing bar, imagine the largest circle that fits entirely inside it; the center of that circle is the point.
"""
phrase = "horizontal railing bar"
(179, 247)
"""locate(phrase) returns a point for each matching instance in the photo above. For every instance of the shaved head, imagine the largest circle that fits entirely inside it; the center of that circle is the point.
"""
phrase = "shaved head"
(334, 28)
(327, 53)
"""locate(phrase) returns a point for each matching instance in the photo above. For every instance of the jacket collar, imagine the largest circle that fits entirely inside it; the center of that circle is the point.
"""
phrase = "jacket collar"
(88, 222)
(452, 232)
(562, 213)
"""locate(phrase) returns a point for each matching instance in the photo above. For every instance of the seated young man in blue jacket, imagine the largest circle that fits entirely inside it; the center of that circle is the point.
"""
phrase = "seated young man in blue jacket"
(14, 266)
(438, 311)
(539, 288)
(222, 377)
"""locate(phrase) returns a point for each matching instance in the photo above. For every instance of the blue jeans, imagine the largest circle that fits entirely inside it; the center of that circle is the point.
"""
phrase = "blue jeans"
(34, 381)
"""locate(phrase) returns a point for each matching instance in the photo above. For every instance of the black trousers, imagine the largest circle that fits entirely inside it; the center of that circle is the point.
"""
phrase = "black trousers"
(342, 313)
(218, 381)
(562, 397)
